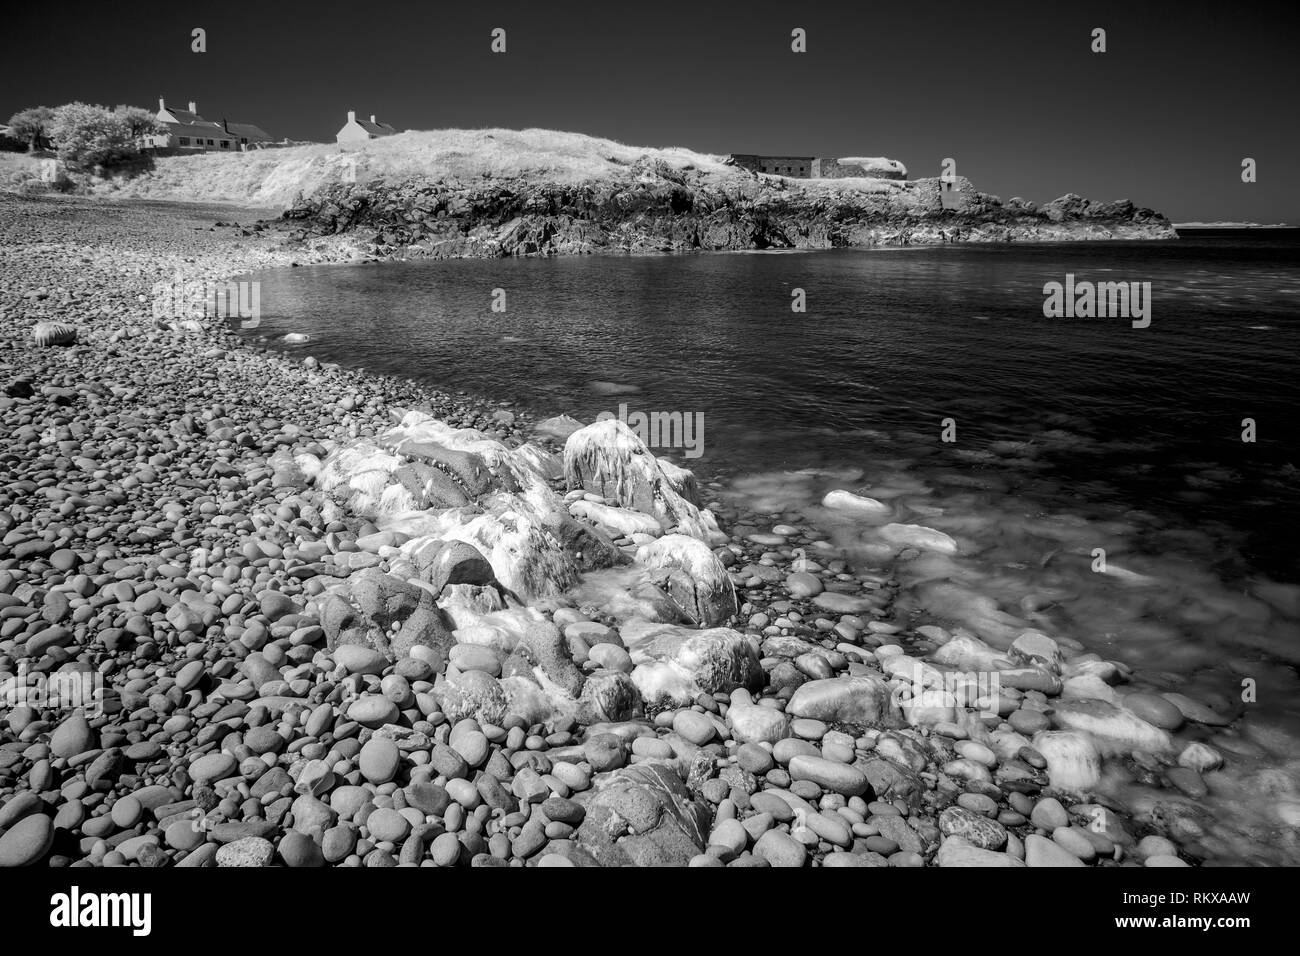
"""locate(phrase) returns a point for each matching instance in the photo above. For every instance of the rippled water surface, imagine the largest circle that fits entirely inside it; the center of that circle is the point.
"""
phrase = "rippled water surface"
(1071, 434)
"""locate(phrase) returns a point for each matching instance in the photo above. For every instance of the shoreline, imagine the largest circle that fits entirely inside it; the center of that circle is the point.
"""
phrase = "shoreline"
(214, 489)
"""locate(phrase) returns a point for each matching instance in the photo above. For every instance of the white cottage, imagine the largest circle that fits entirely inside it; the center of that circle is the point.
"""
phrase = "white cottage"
(355, 131)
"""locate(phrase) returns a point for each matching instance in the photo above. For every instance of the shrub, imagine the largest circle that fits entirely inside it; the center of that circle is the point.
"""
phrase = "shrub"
(32, 126)
(140, 120)
(87, 135)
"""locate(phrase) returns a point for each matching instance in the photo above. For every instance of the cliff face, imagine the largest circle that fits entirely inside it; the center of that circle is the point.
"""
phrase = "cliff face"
(655, 207)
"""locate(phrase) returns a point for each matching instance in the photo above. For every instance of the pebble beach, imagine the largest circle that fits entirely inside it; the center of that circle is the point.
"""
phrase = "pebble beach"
(332, 618)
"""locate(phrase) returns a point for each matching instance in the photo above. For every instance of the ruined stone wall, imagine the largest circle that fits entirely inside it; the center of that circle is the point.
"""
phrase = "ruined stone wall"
(834, 169)
(799, 167)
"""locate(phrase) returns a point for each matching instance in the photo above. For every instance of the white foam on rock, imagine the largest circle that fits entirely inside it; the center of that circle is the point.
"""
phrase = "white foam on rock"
(609, 459)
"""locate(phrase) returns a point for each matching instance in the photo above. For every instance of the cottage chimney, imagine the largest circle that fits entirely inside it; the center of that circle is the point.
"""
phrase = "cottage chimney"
(372, 118)
(352, 116)
(162, 104)
(194, 108)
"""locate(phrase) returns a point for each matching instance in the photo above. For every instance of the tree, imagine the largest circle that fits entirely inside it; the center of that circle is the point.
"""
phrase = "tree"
(88, 135)
(32, 126)
(140, 120)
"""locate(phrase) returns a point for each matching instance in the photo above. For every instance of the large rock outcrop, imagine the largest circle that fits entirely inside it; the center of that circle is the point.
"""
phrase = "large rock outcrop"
(651, 206)
(609, 459)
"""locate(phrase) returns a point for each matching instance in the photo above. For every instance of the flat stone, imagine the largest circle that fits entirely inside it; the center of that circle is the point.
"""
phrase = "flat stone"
(1155, 709)
(837, 777)
(974, 828)
(387, 824)
(1074, 841)
(356, 659)
(730, 834)
(72, 737)
(1048, 814)
(801, 584)
(956, 852)
(754, 759)
(694, 727)
(373, 711)
(188, 677)
(250, 851)
(27, 841)
(856, 701)
(475, 657)
(839, 603)
(1040, 851)
(213, 767)
(780, 849)
(379, 760)
(300, 851)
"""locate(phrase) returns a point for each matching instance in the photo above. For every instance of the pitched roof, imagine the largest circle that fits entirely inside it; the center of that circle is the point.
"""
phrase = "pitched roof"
(193, 122)
(248, 131)
(377, 129)
(185, 117)
(202, 130)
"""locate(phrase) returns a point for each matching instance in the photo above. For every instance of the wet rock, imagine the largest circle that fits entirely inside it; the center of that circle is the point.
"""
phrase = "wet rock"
(608, 459)
(643, 815)
(862, 702)
(677, 664)
(852, 504)
(693, 577)
(1073, 761)
(830, 775)
(1114, 729)
(975, 829)
(1155, 709)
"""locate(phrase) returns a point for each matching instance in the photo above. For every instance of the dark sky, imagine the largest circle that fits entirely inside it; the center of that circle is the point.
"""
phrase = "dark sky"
(1009, 90)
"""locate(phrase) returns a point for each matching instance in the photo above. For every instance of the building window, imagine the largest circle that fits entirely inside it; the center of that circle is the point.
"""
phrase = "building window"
(225, 144)
(184, 141)
(244, 140)
(210, 143)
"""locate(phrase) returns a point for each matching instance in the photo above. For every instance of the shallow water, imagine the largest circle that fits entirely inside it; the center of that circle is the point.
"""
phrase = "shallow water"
(1071, 434)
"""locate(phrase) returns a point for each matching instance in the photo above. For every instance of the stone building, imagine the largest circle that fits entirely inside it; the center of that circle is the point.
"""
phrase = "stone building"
(800, 167)
(817, 167)
(874, 167)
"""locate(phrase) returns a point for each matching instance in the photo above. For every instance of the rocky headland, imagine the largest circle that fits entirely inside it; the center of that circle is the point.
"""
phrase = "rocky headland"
(658, 207)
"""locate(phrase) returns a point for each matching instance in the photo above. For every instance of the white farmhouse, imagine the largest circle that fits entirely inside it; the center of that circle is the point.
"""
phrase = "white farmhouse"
(355, 131)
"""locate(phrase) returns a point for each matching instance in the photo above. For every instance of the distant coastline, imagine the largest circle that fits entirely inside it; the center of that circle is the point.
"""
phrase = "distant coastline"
(490, 193)
(1232, 225)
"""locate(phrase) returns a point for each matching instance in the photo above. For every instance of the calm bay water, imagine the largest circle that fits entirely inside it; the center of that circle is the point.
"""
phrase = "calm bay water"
(892, 343)
(1072, 434)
